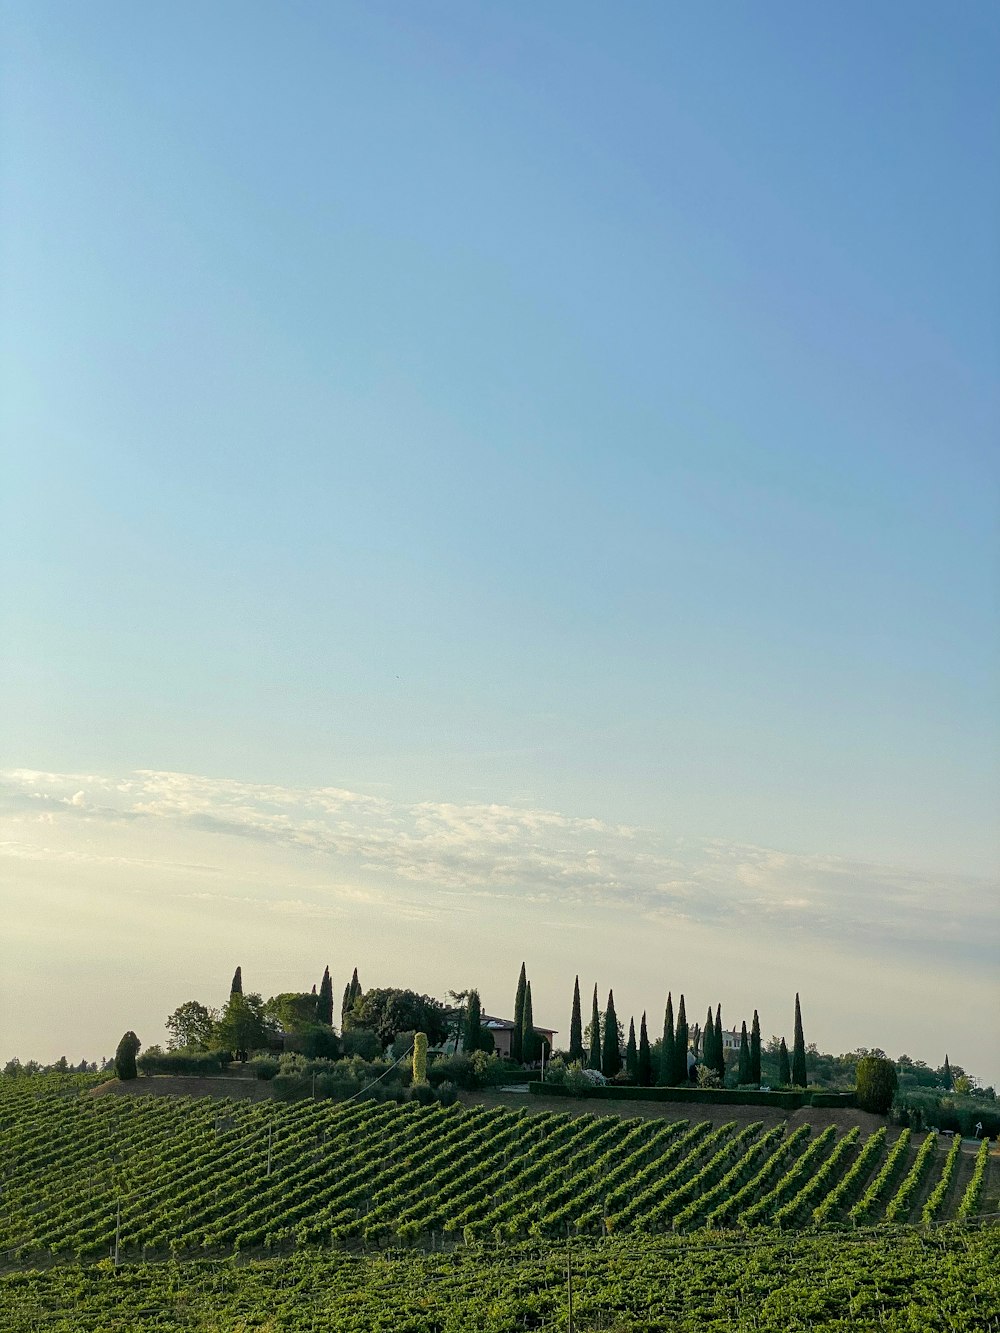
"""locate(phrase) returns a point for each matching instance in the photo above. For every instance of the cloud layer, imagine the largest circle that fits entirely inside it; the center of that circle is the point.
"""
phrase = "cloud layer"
(432, 855)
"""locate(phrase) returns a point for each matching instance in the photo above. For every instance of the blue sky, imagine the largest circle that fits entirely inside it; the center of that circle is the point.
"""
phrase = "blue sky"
(537, 408)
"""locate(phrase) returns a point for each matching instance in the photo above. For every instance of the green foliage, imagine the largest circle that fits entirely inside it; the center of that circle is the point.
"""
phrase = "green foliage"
(720, 1052)
(744, 1078)
(632, 1054)
(191, 1026)
(784, 1067)
(594, 1036)
(611, 1055)
(708, 1042)
(876, 1084)
(324, 1001)
(668, 1059)
(192, 1062)
(242, 1029)
(644, 1076)
(128, 1049)
(352, 992)
(364, 1043)
(755, 1050)
(291, 1011)
(476, 1037)
(531, 1042)
(798, 1050)
(681, 1039)
(517, 1036)
(576, 1051)
(388, 1012)
(236, 985)
(420, 1058)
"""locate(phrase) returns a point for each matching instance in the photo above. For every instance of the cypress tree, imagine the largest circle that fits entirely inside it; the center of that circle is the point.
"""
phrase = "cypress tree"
(708, 1042)
(665, 1074)
(352, 991)
(530, 1043)
(798, 1049)
(645, 1071)
(755, 1050)
(517, 1036)
(784, 1068)
(720, 1049)
(236, 988)
(314, 988)
(576, 1025)
(611, 1056)
(594, 1058)
(632, 1054)
(681, 1045)
(125, 1055)
(324, 1001)
(948, 1080)
(744, 1070)
(472, 1039)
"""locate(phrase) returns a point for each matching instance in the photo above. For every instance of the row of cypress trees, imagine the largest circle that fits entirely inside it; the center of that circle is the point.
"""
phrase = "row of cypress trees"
(525, 1042)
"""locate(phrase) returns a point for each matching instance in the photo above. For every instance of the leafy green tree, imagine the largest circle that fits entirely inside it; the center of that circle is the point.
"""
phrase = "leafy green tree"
(324, 1001)
(755, 1050)
(190, 1026)
(291, 1012)
(517, 1036)
(876, 1084)
(681, 1045)
(594, 1059)
(798, 1050)
(352, 992)
(632, 1054)
(128, 1049)
(531, 1042)
(236, 986)
(576, 1025)
(242, 1028)
(668, 1058)
(784, 1068)
(611, 1054)
(645, 1070)
(720, 1048)
(743, 1076)
(389, 1011)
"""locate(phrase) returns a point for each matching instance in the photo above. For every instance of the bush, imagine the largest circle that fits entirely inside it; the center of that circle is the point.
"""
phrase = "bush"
(194, 1063)
(577, 1084)
(876, 1085)
(265, 1067)
(128, 1049)
(447, 1094)
(423, 1093)
(361, 1042)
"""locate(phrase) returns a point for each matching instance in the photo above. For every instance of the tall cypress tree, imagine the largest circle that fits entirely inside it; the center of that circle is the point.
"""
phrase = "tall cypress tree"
(611, 1056)
(472, 1037)
(530, 1042)
(755, 1050)
(708, 1042)
(744, 1071)
(681, 1045)
(645, 1069)
(632, 1054)
(576, 1025)
(798, 1049)
(720, 1046)
(784, 1068)
(352, 992)
(947, 1078)
(517, 1036)
(324, 1001)
(665, 1074)
(236, 988)
(594, 1056)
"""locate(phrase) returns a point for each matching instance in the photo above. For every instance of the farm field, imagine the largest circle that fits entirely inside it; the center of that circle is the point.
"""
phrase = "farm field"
(190, 1177)
(888, 1279)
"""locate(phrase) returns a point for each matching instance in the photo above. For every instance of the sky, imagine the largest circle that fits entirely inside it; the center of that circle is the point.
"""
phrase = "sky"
(486, 483)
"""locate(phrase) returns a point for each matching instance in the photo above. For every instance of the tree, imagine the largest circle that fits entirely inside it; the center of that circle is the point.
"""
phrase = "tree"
(389, 1011)
(743, 1076)
(720, 1048)
(291, 1012)
(632, 1054)
(242, 1028)
(681, 1045)
(352, 992)
(798, 1050)
(946, 1075)
(708, 1042)
(876, 1084)
(324, 1001)
(755, 1050)
(517, 1036)
(645, 1071)
(236, 986)
(420, 1058)
(576, 1026)
(128, 1049)
(476, 1037)
(784, 1068)
(667, 1057)
(531, 1043)
(190, 1025)
(594, 1058)
(611, 1053)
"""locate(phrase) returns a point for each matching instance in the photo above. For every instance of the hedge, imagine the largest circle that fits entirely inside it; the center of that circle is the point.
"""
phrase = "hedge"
(203, 1063)
(790, 1100)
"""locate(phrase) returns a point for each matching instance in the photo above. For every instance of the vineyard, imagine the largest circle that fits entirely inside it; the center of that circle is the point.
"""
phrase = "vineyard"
(212, 1207)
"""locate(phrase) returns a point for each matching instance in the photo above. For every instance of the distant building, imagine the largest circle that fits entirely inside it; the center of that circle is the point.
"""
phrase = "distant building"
(502, 1031)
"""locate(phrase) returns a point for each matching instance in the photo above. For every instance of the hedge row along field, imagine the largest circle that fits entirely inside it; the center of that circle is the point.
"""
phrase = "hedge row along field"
(183, 1177)
(896, 1279)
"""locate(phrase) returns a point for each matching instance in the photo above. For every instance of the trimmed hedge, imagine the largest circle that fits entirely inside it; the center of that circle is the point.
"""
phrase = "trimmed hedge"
(199, 1063)
(790, 1100)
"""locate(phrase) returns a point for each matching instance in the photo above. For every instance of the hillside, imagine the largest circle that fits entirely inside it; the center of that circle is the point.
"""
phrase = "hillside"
(194, 1176)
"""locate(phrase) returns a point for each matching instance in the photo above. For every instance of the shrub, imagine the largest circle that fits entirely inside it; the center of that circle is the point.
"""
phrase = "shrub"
(128, 1049)
(423, 1093)
(195, 1063)
(420, 1058)
(361, 1042)
(447, 1094)
(877, 1083)
(265, 1067)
